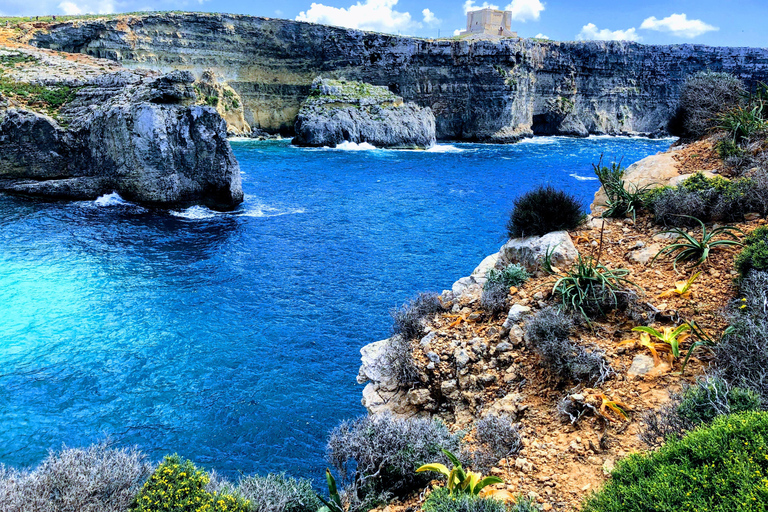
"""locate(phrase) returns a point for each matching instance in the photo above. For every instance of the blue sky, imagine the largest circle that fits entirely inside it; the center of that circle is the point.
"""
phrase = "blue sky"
(713, 22)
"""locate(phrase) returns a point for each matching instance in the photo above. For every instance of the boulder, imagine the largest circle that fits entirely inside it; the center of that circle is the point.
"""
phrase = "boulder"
(340, 111)
(530, 251)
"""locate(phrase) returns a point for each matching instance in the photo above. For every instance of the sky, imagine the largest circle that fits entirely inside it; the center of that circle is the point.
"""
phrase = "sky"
(712, 22)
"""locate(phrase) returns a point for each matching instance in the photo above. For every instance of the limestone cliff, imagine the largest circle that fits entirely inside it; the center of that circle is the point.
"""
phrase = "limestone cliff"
(79, 130)
(493, 91)
(339, 110)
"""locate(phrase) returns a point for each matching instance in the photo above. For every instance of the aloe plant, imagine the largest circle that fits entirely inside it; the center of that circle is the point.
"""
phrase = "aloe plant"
(689, 248)
(670, 336)
(459, 480)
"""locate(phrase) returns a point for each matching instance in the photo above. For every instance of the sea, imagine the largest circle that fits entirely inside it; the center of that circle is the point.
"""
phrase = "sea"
(234, 338)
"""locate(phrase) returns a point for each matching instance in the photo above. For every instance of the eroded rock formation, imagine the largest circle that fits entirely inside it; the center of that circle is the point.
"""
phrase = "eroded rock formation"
(338, 111)
(495, 91)
(133, 132)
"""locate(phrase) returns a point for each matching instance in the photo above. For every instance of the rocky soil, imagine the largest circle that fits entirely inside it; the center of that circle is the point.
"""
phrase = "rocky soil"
(339, 111)
(473, 363)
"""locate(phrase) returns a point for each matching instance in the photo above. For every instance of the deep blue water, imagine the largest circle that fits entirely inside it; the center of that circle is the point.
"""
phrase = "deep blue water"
(233, 339)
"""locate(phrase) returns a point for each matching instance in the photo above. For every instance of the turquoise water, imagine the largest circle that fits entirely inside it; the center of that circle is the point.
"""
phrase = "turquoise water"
(233, 339)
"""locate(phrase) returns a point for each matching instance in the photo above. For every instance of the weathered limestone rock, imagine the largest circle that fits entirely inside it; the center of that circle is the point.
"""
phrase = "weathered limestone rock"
(530, 252)
(494, 91)
(340, 111)
(227, 102)
(382, 393)
(130, 132)
(641, 365)
(474, 282)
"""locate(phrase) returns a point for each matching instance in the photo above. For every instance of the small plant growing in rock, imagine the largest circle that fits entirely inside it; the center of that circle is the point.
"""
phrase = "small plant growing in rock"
(409, 318)
(591, 288)
(623, 199)
(459, 480)
(278, 493)
(441, 500)
(692, 249)
(755, 252)
(494, 297)
(498, 438)
(682, 288)
(670, 338)
(544, 210)
(511, 275)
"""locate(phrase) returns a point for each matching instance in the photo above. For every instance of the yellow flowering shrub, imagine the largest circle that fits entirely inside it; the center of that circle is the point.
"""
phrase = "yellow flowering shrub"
(178, 486)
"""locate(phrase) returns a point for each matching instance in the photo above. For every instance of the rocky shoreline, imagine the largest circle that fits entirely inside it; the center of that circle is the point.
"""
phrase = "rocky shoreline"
(84, 128)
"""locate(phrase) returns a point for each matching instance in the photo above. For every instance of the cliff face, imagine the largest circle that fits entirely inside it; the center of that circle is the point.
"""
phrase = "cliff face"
(75, 130)
(479, 90)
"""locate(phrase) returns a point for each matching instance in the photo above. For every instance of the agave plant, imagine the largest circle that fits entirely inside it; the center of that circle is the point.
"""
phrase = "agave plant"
(622, 198)
(333, 503)
(589, 282)
(459, 480)
(619, 409)
(689, 248)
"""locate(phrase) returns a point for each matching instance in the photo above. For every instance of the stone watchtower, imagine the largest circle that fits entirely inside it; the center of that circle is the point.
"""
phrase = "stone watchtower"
(489, 22)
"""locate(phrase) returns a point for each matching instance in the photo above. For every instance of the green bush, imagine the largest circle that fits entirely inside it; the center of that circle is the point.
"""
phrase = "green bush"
(543, 211)
(278, 493)
(709, 199)
(440, 500)
(721, 467)
(178, 486)
(755, 253)
(713, 397)
(511, 275)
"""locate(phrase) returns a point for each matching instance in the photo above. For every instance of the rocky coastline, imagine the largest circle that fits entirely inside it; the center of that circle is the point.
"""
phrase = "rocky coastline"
(339, 111)
(81, 128)
(486, 91)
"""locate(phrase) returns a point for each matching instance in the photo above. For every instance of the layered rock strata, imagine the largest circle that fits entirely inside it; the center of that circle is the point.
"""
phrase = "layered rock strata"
(133, 132)
(339, 111)
(494, 91)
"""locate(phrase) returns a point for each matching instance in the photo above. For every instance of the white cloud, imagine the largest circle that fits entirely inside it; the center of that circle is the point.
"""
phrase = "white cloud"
(540, 36)
(524, 10)
(278, 12)
(99, 7)
(470, 5)
(430, 18)
(591, 32)
(678, 25)
(458, 31)
(378, 15)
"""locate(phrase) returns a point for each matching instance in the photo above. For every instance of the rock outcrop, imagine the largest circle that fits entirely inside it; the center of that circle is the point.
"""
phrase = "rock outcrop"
(493, 91)
(339, 111)
(132, 132)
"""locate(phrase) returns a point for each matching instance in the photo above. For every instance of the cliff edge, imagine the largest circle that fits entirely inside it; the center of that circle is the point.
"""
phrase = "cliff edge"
(76, 127)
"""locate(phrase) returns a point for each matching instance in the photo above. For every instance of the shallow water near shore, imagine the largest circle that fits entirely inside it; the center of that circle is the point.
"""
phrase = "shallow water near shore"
(233, 338)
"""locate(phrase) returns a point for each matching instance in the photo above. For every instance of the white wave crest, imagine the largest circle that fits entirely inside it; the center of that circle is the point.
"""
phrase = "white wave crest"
(195, 213)
(583, 178)
(353, 146)
(539, 140)
(112, 199)
(444, 148)
(255, 210)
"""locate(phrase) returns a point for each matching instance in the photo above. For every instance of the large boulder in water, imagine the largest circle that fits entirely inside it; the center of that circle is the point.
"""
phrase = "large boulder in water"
(136, 133)
(338, 110)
